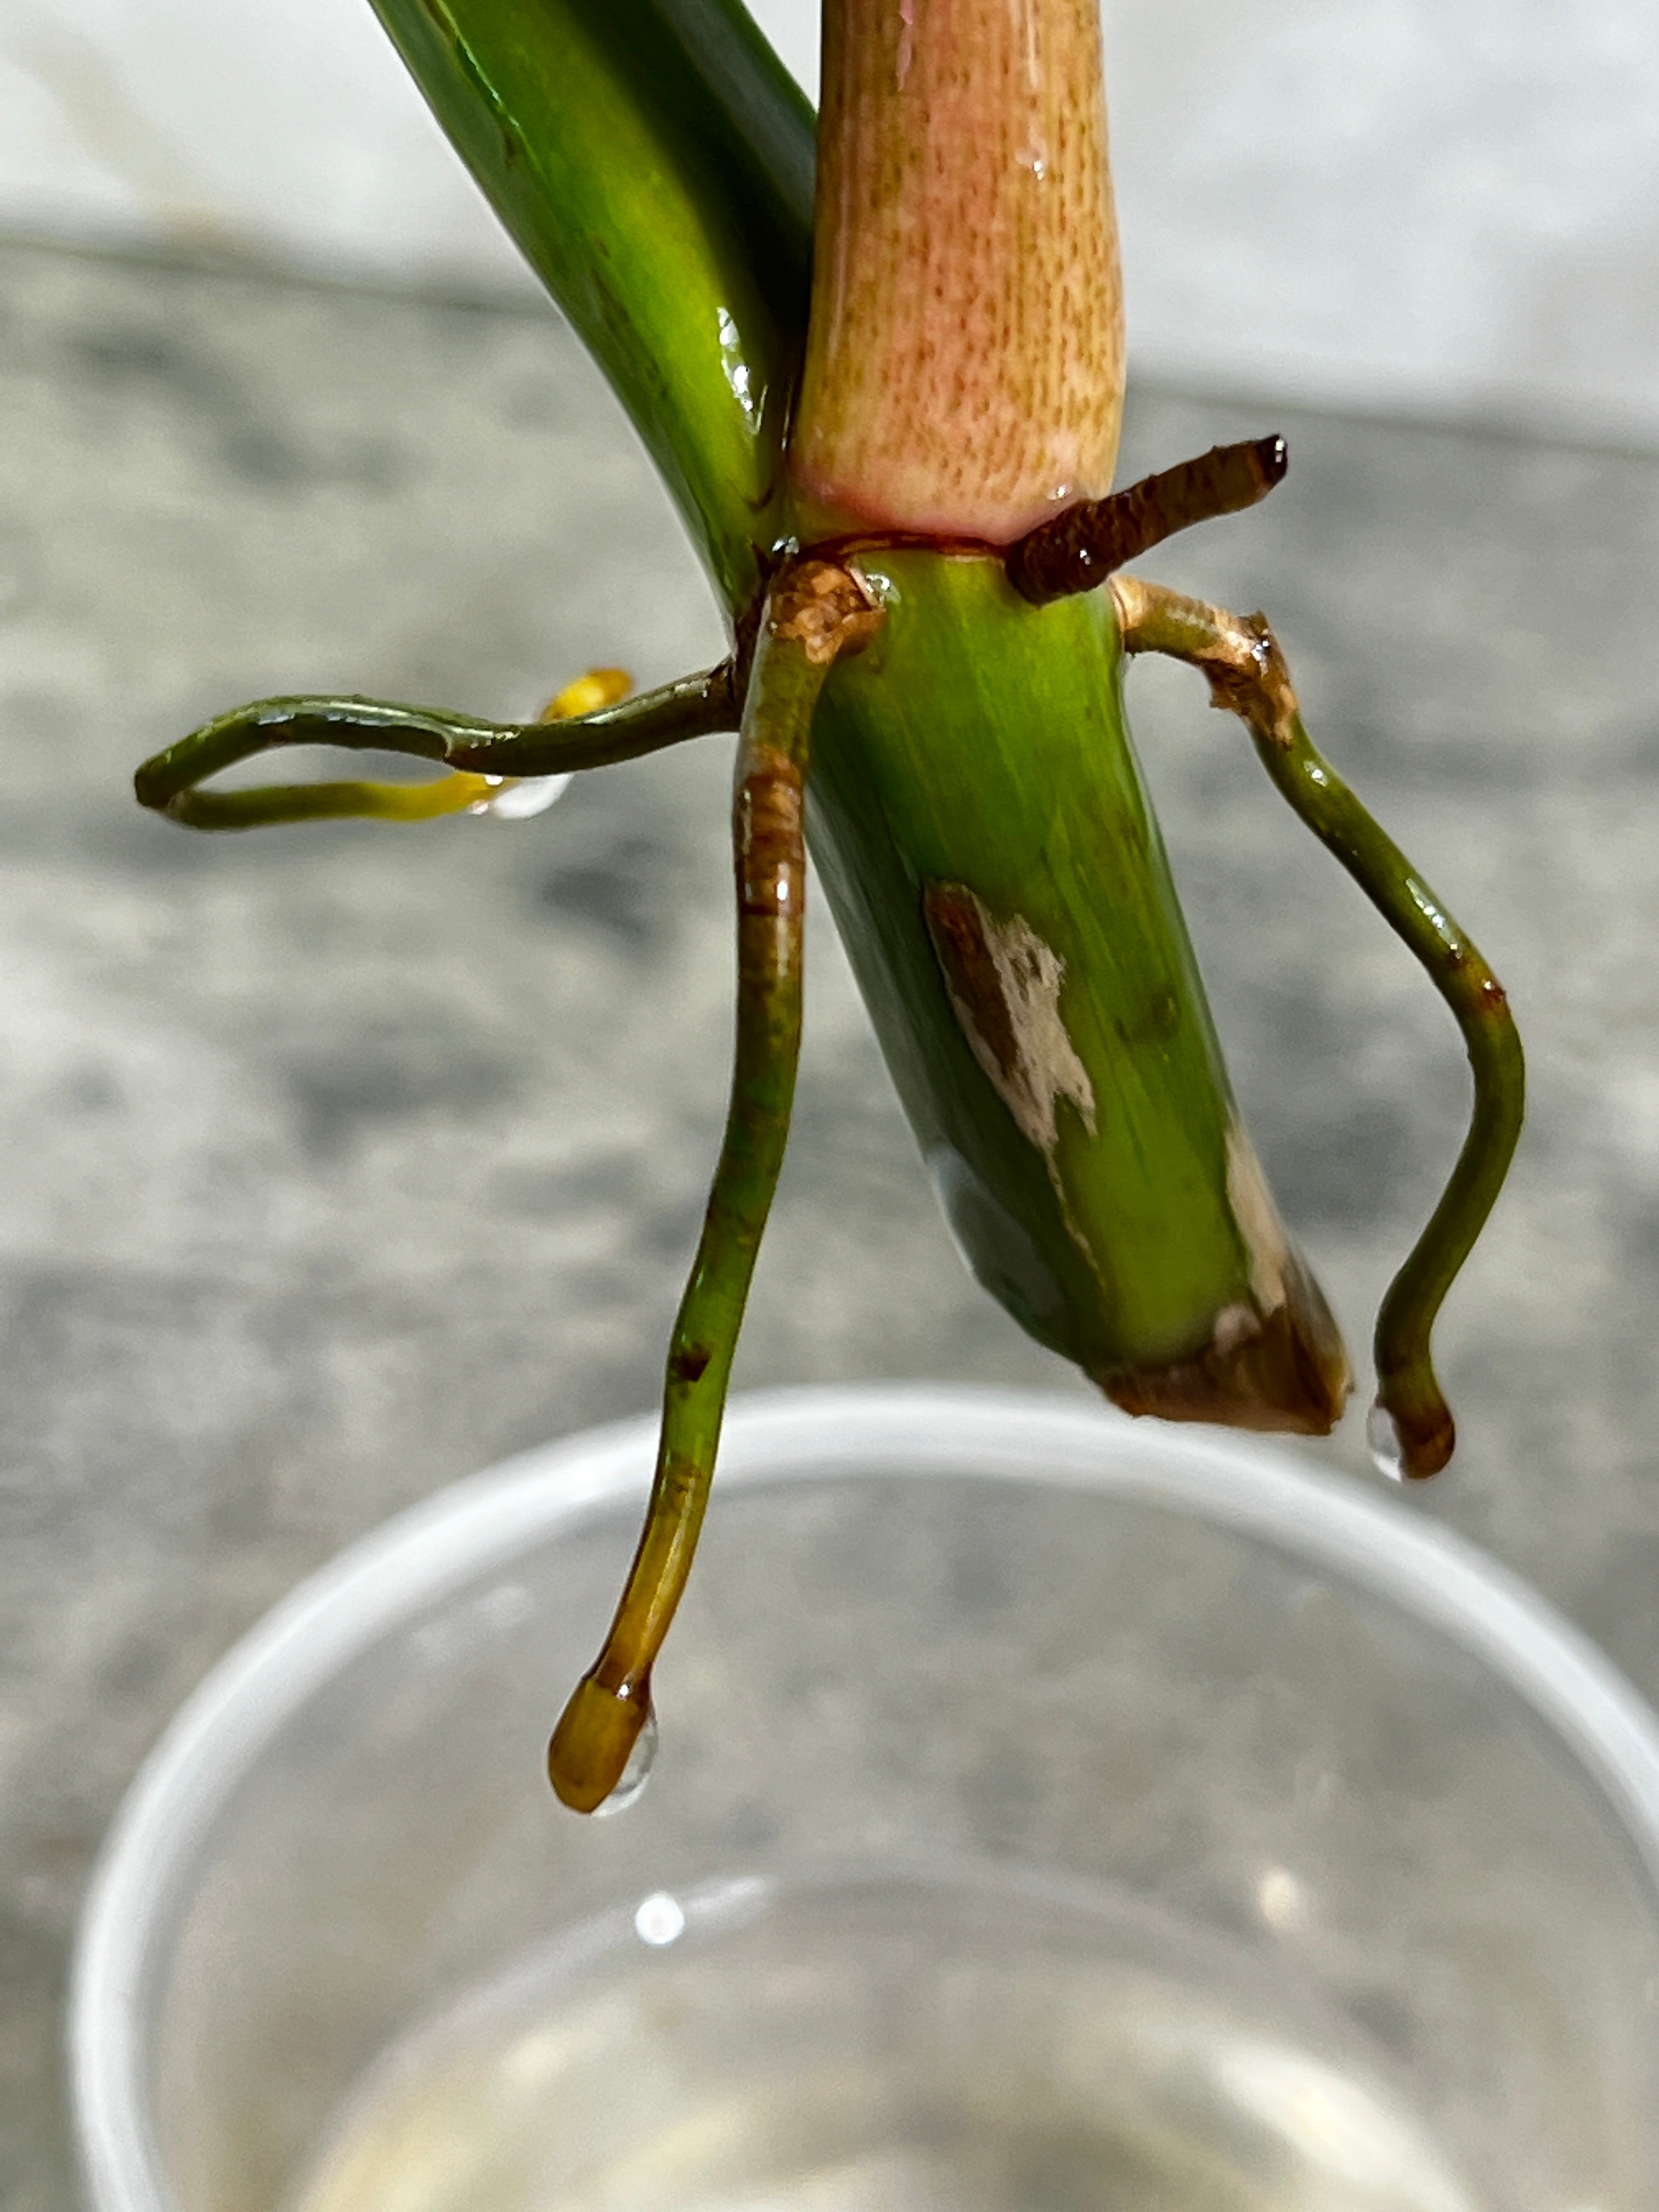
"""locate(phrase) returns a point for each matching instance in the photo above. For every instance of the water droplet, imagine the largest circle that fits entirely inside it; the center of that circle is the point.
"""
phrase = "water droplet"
(630, 1787)
(529, 794)
(736, 373)
(659, 1919)
(1382, 1436)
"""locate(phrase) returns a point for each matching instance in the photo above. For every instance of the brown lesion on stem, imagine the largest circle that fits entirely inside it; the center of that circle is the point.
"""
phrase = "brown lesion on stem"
(1274, 1359)
(1004, 984)
(1282, 1372)
(1081, 549)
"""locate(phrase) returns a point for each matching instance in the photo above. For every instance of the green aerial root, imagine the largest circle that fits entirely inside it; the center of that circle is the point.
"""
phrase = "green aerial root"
(1411, 1427)
(583, 728)
(814, 612)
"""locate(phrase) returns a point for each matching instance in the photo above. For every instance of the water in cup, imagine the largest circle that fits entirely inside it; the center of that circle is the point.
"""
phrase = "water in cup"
(883, 2041)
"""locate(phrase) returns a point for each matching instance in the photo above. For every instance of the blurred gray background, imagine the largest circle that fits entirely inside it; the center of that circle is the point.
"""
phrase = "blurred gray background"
(1437, 205)
(337, 1162)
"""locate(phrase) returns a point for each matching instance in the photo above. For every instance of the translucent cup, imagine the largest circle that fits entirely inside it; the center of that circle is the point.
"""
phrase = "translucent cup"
(1052, 1812)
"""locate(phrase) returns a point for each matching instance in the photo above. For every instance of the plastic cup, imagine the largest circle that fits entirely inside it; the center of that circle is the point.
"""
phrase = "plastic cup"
(1052, 1812)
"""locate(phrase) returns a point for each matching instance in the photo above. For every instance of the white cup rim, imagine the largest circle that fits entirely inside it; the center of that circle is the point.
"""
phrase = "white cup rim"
(1369, 1539)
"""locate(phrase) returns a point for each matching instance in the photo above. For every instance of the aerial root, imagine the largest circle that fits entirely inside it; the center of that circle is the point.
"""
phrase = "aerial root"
(1080, 549)
(815, 611)
(586, 726)
(1413, 1425)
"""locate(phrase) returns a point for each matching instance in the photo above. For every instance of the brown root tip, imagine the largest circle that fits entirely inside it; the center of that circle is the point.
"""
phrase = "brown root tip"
(1425, 1436)
(1080, 549)
(1285, 1373)
(1272, 458)
(592, 1743)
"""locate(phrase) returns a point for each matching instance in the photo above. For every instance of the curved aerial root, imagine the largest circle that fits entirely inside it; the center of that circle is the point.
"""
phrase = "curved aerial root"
(1412, 1423)
(1080, 549)
(584, 727)
(815, 610)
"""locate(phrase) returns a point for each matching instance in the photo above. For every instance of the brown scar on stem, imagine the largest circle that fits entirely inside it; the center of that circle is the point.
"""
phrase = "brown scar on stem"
(1276, 1364)
(1080, 549)
(1284, 1372)
(1003, 983)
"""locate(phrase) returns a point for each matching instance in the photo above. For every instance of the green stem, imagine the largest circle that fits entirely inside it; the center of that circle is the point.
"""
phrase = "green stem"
(814, 612)
(653, 161)
(1248, 675)
(695, 707)
(987, 844)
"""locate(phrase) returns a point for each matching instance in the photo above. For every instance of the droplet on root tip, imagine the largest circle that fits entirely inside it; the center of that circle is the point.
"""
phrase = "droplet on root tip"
(630, 1783)
(1382, 1438)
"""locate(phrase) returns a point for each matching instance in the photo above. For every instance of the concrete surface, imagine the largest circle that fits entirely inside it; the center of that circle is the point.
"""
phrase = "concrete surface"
(1440, 203)
(337, 1162)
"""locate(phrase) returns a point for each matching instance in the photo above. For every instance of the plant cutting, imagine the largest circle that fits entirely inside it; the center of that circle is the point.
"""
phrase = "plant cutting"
(887, 406)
